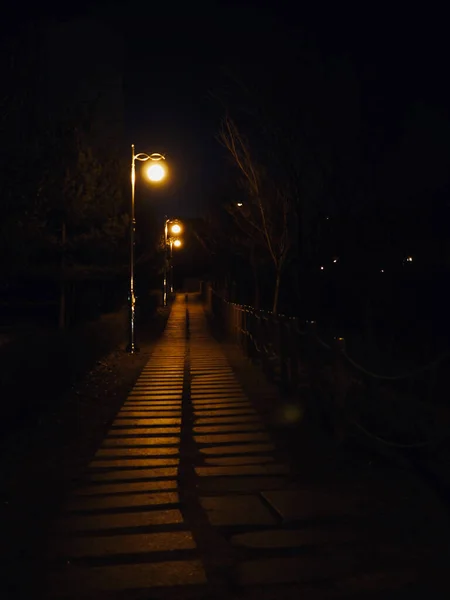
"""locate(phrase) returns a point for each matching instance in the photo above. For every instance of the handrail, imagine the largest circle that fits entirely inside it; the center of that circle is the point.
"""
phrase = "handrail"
(275, 339)
(435, 362)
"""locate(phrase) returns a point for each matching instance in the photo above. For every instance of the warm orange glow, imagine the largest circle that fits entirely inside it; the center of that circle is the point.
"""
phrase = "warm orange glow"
(156, 172)
(176, 229)
(177, 243)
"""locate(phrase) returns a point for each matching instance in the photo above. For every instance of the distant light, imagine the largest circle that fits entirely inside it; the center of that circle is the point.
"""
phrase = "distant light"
(409, 259)
(382, 271)
(239, 204)
(177, 243)
(335, 260)
(176, 228)
(156, 172)
(322, 268)
(327, 218)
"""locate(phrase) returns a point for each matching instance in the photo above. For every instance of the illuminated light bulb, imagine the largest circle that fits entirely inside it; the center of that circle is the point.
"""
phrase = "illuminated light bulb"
(156, 172)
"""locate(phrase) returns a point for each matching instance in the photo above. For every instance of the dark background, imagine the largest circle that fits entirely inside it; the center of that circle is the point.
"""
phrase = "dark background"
(170, 70)
(175, 55)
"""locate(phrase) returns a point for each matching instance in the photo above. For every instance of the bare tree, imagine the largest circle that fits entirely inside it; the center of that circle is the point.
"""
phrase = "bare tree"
(266, 214)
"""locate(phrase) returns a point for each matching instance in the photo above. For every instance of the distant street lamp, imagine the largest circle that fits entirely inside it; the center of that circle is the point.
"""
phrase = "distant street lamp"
(171, 226)
(155, 172)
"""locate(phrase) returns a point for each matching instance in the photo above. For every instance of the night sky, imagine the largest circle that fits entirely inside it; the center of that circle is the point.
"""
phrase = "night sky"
(175, 55)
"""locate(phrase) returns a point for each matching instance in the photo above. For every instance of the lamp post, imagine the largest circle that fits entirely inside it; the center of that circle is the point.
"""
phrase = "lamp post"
(171, 266)
(166, 224)
(155, 172)
(169, 242)
(177, 243)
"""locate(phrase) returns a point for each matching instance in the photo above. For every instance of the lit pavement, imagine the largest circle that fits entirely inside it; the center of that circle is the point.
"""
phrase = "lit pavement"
(188, 497)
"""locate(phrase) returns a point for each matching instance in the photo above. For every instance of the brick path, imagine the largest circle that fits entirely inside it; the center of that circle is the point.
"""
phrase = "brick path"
(187, 497)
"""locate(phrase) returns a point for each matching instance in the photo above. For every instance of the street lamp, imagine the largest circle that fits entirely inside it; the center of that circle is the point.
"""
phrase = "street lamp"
(175, 228)
(156, 172)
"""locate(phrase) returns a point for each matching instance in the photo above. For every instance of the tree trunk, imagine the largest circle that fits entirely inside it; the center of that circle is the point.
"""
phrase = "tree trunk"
(276, 292)
(62, 295)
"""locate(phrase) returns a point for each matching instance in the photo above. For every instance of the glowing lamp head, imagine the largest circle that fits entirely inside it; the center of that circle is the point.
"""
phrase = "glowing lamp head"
(176, 229)
(156, 172)
(177, 243)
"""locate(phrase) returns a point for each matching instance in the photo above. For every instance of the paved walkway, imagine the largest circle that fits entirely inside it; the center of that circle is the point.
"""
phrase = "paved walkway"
(187, 497)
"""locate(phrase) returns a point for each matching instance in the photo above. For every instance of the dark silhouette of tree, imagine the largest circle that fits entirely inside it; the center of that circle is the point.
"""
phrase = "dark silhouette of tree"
(265, 214)
(64, 212)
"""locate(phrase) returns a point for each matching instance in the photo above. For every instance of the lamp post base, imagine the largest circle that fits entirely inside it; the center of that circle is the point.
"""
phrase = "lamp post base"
(132, 349)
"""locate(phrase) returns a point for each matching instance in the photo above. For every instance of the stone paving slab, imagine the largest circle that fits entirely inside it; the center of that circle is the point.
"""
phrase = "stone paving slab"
(148, 440)
(141, 452)
(212, 429)
(232, 438)
(128, 487)
(143, 432)
(238, 510)
(238, 449)
(149, 410)
(133, 474)
(240, 460)
(242, 470)
(145, 422)
(133, 500)
(189, 471)
(114, 463)
(230, 484)
(228, 419)
(172, 404)
(293, 569)
(130, 577)
(138, 543)
(294, 538)
(77, 523)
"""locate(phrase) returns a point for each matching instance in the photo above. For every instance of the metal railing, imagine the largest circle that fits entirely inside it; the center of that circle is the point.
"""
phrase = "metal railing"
(402, 411)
